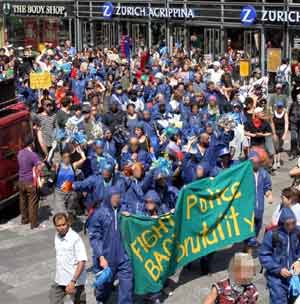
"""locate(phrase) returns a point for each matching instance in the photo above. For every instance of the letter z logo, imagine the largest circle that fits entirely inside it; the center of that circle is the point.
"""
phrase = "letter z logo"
(248, 15)
(107, 10)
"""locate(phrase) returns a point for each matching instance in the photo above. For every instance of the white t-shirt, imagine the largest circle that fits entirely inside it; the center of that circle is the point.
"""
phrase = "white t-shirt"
(70, 250)
(277, 212)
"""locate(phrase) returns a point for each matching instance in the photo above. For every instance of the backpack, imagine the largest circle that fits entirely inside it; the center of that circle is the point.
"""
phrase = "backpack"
(280, 75)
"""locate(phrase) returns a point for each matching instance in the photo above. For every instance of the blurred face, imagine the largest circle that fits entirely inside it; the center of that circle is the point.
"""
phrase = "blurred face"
(211, 87)
(138, 132)
(115, 200)
(279, 109)
(86, 116)
(78, 113)
(290, 225)
(256, 163)
(287, 202)
(199, 172)
(62, 227)
(146, 116)
(106, 174)
(212, 102)
(204, 140)
(137, 172)
(161, 182)
(48, 107)
(130, 110)
(241, 274)
(150, 205)
(108, 134)
(99, 150)
(66, 158)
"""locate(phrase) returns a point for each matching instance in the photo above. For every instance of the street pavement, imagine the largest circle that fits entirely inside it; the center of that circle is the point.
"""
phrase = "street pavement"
(27, 260)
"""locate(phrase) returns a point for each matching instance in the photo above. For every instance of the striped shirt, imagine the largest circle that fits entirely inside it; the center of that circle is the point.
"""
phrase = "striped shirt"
(47, 127)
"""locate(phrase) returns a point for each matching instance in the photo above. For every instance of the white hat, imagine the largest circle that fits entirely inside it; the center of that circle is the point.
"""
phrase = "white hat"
(258, 110)
(159, 75)
(60, 83)
(216, 63)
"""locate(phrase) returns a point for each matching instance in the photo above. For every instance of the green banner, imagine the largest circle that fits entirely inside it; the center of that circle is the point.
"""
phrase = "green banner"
(211, 214)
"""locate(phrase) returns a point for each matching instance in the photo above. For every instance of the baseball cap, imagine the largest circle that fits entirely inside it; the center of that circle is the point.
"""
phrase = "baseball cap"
(280, 104)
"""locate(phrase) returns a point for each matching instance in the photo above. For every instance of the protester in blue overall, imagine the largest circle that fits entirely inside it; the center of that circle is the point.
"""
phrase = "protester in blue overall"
(120, 97)
(278, 253)
(162, 87)
(150, 130)
(110, 146)
(263, 187)
(97, 186)
(99, 159)
(137, 185)
(134, 153)
(224, 162)
(108, 249)
(168, 194)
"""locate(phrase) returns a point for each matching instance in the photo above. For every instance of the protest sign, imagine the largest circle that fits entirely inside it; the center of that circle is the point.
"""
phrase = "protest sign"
(273, 59)
(210, 214)
(40, 80)
(244, 68)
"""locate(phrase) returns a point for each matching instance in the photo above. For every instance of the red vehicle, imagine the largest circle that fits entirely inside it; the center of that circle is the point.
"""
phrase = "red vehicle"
(14, 126)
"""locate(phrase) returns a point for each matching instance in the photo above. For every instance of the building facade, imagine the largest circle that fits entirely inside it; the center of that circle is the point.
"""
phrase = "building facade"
(213, 26)
(36, 22)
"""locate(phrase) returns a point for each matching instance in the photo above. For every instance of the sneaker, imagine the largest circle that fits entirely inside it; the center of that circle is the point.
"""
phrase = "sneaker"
(278, 165)
(274, 167)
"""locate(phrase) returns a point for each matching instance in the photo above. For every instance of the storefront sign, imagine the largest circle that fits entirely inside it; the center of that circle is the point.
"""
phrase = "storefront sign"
(31, 9)
(109, 10)
(249, 16)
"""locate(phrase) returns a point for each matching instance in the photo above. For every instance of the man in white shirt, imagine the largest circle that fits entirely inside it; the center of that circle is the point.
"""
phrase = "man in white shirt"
(71, 257)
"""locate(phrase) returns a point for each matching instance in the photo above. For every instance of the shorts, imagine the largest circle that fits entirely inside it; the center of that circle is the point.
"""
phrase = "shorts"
(269, 145)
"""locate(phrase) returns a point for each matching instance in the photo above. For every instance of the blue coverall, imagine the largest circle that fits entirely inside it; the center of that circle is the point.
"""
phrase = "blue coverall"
(106, 240)
(283, 253)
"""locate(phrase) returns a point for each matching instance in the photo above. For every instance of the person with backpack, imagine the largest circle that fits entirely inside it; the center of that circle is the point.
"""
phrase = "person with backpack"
(279, 254)
(282, 75)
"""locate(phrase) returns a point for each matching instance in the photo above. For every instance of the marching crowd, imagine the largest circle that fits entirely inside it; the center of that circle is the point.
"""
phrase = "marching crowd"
(132, 129)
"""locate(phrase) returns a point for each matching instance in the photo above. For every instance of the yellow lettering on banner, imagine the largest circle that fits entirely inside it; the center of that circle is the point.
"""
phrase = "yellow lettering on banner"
(211, 202)
(170, 219)
(226, 198)
(229, 231)
(162, 227)
(195, 244)
(152, 269)
(40, 80)
(204, 233)
(234, 215)
(250, 222)
(203, 205)
(159, 257)
(191, 202)
(165, 244)
(142, 244)
(213, 233)
(149, 241)
(136, 250)
(183, 252)
(234, 188)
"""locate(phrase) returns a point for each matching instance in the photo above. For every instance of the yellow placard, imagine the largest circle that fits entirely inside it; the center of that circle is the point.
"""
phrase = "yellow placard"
(273, 59)
(244, 68)
(40, 80)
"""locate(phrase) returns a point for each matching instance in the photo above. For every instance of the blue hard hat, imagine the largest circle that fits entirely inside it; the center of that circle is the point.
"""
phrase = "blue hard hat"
(102, 277)
(223, 151)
